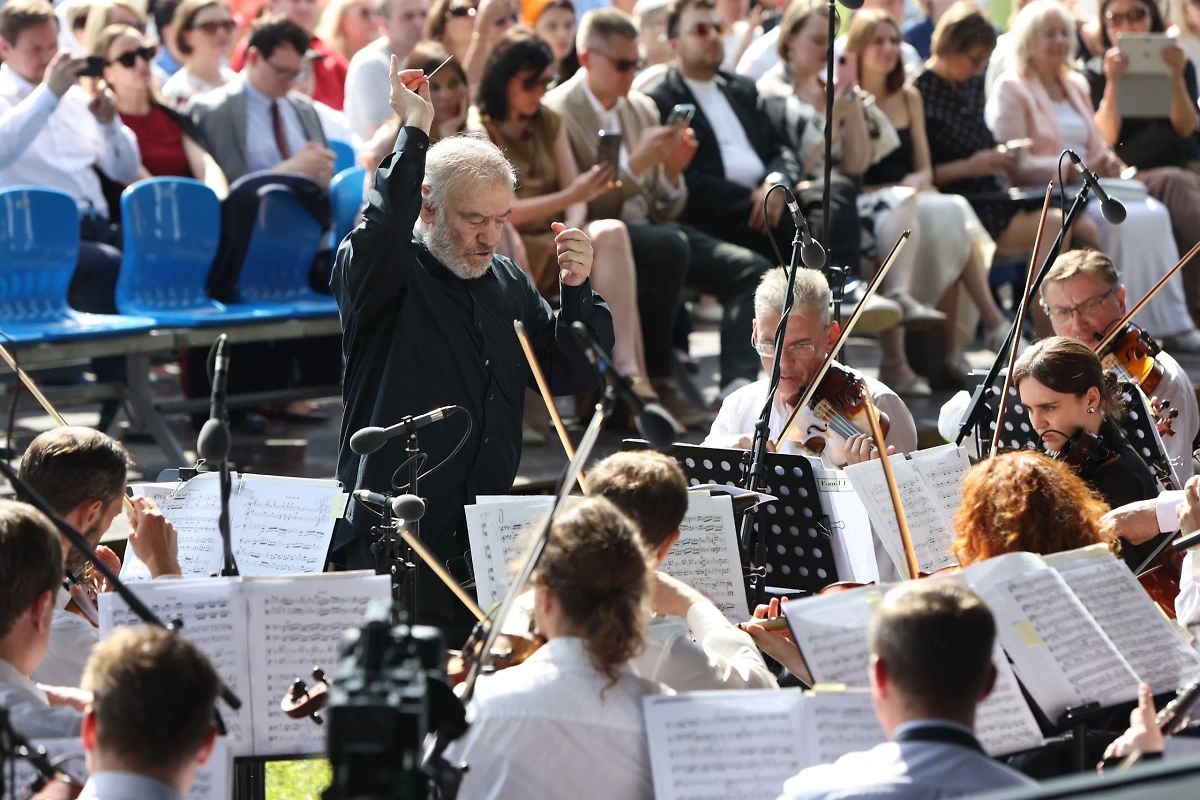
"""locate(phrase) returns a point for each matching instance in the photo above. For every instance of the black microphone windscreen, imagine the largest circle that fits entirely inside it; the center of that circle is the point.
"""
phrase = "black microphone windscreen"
(656, 426)
(812, 254)
(851, 3)
(1113, 211)
(367, 441)
(408, 507)
(213, 442)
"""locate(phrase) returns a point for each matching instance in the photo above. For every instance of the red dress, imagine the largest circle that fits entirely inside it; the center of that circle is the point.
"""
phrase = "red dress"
(161, 142)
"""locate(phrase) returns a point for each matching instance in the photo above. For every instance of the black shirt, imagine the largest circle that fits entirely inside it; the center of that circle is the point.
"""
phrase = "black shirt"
(1126, 480)
(417, 337)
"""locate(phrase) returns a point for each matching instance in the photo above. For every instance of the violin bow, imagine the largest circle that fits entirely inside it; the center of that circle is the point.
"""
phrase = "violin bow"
(811, 389)
(1022, 309)
(910, 554)
(439, 570)
(1116, 329)
(547, 398)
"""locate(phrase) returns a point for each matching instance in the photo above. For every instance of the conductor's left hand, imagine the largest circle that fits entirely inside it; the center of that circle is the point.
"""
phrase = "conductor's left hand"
(574, 254)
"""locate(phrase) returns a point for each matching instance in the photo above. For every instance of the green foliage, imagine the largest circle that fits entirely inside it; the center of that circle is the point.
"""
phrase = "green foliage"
(297, 780)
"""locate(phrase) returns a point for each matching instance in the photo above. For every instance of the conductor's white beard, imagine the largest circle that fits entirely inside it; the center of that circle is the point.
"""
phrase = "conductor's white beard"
(440, 241)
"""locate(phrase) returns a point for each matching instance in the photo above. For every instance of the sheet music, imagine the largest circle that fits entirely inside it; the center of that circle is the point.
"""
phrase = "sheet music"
(1059, 652)
(282, 526)
(1004, 722)
(707, 557)
(499, 531)
(853, 542)
(213, 612)
(943, 469)
(835, 723)
(194, 508)
(214, 780)
(297, 624)
(1119, 604)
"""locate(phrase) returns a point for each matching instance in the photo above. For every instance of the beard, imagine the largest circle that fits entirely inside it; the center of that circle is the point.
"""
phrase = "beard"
(440, 241)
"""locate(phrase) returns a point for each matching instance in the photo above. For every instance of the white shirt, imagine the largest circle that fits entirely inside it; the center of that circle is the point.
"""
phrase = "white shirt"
(740, 411)
(30, 712)
(55, 142)
(183, 86)
(1177, 387)
(742, 164)
(733, 39)
(761, 55)
(368, 86)
(262, 151)
(713, 655)
(554, 727)
(1072, 127)
(71, 640)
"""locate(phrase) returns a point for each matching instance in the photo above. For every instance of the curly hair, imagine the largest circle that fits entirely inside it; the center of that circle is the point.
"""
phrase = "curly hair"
(1024, 501)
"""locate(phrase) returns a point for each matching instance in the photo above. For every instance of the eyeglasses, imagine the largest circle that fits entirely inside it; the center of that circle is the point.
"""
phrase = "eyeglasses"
(532, 84)
(703, 29)
(619, 64)
(127, 60)
(211, 28)
(284, 73)
(1130, 17)
(1083, 309)
(461, 11)
(795, 350)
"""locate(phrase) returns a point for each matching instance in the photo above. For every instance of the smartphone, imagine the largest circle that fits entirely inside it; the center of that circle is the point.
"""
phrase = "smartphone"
(845, 75)
(609, 151)
(94, 68)
(682, 114)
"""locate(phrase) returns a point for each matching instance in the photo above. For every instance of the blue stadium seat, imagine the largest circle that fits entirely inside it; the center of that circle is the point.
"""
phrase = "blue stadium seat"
(282, 248)
(346, 194)
(344, 157)
(172, 227)
(39, 245)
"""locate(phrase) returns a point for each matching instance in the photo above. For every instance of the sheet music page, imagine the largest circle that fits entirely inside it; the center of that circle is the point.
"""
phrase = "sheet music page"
(1058, 651)
(214, 780)
(193, 507)
(1112, 595)
(282, 526)
(943, 469)
(831, 632)
(213, 611)
(837, 722)
(296, 624)
(498, 533)
(707, 557)
(853, 542)
(732, 745)
(1004, 723)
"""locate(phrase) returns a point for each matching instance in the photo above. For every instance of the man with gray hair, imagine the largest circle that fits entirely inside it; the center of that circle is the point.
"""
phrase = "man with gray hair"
(427, 311)
(809, 338)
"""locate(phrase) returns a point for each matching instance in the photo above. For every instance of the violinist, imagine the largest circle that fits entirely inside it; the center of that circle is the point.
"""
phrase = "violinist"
(81, 473)
(567, 722)
(1083, 296)
(1070, 404)
(809, 337)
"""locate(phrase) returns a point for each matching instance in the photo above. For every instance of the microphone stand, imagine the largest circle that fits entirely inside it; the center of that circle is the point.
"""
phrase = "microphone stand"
(413, 450)
(974, 414)
(835, 273)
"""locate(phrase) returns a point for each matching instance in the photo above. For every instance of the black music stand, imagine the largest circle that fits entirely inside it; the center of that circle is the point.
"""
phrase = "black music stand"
(798, 532)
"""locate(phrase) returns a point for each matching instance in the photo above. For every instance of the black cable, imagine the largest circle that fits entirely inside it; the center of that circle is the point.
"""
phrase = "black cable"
(771, 234)
(444, 461)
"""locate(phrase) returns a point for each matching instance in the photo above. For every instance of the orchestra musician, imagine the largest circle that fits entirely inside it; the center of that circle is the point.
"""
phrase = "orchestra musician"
(810, 335)
(925, 694)
(1083, 296)
(690, 645)
(567, 722)
(1069, 399)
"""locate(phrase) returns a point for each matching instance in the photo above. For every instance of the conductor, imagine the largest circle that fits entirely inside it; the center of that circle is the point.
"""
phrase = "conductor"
(427, 310)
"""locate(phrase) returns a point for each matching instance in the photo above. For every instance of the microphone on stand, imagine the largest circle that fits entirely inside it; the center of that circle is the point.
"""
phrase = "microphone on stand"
(213, 443)
(406, 507)
(811, 251)
(1113, 210)
(368, 440)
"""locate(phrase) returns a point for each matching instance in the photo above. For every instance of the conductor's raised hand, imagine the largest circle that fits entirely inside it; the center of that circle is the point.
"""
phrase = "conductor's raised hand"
(410, 97)
(574, 254)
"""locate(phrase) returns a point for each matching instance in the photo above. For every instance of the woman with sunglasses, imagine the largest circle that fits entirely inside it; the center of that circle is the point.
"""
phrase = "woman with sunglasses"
(164, 137)
(1163, 148)
(349, 25)
(201, 33)
(452, 24)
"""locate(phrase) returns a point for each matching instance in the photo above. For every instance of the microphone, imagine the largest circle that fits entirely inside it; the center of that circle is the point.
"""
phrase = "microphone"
(653, 422)
(811, 251)
(406, 507)
(853, 4)
(213, 443)
(368, 440)
(1113, 210)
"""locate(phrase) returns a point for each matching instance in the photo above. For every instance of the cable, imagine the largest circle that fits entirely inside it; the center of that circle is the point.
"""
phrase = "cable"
(771, 234)
(444, 461)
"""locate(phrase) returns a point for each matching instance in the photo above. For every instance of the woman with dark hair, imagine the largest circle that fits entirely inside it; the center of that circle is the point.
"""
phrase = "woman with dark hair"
(1163, 148)
(555, 22)
(201, 33)
(1070, 400)
(509, 108)
(452, 23)
(568, 721)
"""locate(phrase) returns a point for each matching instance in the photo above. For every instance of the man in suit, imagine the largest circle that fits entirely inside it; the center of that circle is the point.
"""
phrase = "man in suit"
(653, 193)
(740, 154)
(931, 664)
(258, 123)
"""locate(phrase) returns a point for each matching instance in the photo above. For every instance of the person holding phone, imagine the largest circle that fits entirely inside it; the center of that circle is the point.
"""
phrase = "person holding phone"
(1163, 148)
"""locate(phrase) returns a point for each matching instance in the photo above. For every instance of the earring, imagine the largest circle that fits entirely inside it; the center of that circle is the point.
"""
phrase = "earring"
(1091, 411)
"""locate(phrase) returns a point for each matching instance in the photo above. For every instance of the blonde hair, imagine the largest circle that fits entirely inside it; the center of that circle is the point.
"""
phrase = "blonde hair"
(1030, 21)
(329, 25)
(812, 290)
(100, 17)
(1177, 16)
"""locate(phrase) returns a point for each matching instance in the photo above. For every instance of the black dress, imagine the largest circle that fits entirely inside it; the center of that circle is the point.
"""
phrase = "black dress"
(1126, 480)
(895, 166)
(956, 130)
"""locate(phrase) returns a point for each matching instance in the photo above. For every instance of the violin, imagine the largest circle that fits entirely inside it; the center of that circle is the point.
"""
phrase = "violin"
(1085, 453)
(838, 411)
(307, 701)
(509, 651)
(1131, 351)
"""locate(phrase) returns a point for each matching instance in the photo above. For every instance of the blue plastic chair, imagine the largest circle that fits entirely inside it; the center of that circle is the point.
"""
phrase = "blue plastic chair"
(282, 248)
(172, 227)
(344, 157)
(346, 194)
(39, 245)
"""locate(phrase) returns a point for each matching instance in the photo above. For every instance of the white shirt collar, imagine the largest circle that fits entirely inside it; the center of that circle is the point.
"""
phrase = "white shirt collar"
(14, 677)
(597, 106)
(931, 722)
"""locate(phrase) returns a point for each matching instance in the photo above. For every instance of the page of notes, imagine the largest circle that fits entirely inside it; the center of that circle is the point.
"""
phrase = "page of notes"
(853, 542)
(498, 532)
(831, 632)
(834, 723)
(213, 613)
(193, 507)
(297, 624)
(706, 556)
(282, 526)
(1004, 722)
(943, 469)
(1144, 636)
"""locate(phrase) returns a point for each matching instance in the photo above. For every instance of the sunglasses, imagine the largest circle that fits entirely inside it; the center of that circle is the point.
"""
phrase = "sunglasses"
(619, 64)
(461, 11)
(211, 28)
(127, 60)
(1131, 16)
(703, 29)
(530, 84)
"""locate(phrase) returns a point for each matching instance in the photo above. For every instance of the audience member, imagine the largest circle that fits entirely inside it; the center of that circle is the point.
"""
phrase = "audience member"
(931, 646)
(31, 573)
(1163, 148)
(554, 23)
(918, 33)
(568, 721)
(509, 108)
(166, 139)
(492, 19)
(149, 726)
(54, 135)
(452, 24)
(201, 32)
(650, 17)
(72, 22)
(349, 25)
(257, 122)
(690, 645)
(652, 194)
(329, 67)
(102, 13)
(744, 21)
(167, 62)
(367, 81)
(1185, 27)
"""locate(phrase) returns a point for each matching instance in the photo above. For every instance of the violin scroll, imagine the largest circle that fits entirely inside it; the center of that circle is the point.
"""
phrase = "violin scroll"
(307, 701)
